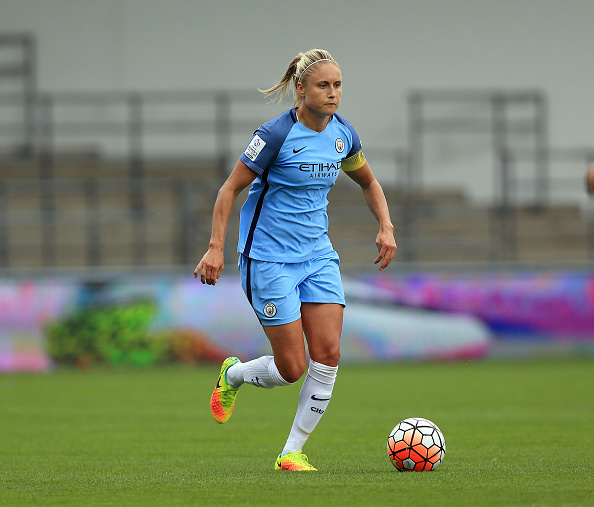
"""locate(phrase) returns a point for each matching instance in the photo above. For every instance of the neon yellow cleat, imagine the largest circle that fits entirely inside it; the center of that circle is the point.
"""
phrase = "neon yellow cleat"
(222, 400)
(295, 461)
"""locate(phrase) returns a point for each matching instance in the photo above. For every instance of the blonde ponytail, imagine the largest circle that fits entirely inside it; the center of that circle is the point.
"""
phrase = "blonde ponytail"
(298, 70)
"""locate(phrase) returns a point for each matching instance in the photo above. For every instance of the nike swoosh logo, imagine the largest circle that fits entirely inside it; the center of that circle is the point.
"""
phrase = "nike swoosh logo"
(300, 149)
(313, 397)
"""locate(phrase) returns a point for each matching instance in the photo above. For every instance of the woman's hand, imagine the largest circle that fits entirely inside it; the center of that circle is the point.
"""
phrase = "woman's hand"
(386, 246)
(213, 261)
(211, 265)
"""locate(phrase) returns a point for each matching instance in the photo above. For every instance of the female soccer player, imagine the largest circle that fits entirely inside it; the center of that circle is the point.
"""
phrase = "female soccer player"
(289, 269)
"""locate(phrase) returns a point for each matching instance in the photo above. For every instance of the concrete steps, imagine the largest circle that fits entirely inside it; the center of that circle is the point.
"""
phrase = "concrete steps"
(446, 226)
(87, 163)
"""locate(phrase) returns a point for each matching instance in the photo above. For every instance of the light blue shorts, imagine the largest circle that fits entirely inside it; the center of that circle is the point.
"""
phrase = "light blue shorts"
(276, 290)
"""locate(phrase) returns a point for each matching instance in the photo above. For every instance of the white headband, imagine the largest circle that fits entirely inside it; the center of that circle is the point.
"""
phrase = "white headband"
(317, 61)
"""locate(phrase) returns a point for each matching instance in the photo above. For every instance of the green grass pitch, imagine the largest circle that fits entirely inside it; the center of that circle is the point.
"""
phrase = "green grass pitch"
(517, 433)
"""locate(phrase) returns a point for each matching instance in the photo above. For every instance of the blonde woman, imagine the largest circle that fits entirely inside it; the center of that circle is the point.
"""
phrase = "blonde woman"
(289, 269)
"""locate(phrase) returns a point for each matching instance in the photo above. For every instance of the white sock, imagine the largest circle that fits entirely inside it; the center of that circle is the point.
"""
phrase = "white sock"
(261, 372)
(314, 397)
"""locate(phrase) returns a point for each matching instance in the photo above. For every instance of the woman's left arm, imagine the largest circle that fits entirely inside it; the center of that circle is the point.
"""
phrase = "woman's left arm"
(376, 202)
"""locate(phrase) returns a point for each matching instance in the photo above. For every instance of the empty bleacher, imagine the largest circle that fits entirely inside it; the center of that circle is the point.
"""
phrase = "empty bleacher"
(94, 213)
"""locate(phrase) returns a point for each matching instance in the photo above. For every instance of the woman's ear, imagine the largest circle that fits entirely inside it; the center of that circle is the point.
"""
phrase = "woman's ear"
(300, 89)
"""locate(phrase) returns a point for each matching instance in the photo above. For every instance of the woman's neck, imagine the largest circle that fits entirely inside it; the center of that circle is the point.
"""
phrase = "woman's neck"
(311, 120)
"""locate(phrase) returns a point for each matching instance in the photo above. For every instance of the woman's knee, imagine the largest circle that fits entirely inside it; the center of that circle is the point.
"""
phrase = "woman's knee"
(330, 355)
(291, 370)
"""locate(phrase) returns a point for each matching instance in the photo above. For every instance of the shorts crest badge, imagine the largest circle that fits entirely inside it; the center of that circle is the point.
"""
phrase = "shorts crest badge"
(269, 310)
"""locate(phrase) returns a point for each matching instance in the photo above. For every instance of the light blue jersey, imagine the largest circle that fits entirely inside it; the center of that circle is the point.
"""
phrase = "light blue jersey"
(284, 218)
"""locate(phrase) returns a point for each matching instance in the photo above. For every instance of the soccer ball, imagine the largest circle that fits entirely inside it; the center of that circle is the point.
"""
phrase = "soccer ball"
(416, 444)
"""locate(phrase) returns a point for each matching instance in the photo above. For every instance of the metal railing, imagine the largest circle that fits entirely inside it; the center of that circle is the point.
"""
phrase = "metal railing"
(499, 115)
(56, 119)
(125, 125)
(21, 70)
(128, 121)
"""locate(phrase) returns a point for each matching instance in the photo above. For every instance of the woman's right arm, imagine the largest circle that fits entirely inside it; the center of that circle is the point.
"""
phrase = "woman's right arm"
(213, 262)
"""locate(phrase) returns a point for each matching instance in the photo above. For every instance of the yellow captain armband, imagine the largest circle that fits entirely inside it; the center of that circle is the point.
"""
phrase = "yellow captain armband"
(353, 163)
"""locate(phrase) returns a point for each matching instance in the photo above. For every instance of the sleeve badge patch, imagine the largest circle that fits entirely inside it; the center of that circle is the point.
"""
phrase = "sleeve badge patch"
(255, 147)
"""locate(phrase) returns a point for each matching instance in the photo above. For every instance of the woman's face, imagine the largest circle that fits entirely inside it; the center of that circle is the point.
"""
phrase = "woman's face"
(322, 89)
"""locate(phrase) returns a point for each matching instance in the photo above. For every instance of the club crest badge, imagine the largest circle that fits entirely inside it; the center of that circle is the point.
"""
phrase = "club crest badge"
(339, 145)
(269, 310)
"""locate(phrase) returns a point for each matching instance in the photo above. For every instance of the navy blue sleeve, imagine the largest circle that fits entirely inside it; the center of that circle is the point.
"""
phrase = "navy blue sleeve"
(267, 141)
